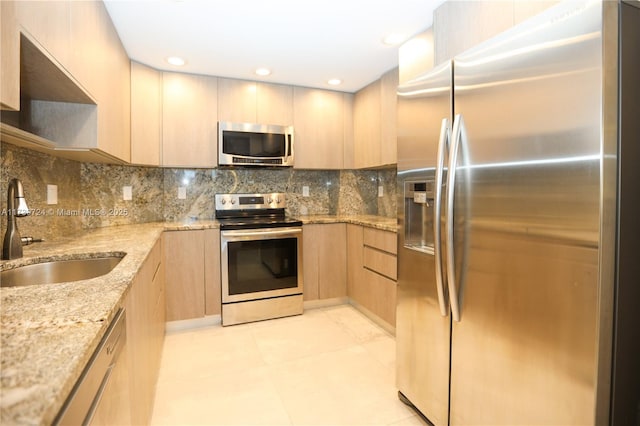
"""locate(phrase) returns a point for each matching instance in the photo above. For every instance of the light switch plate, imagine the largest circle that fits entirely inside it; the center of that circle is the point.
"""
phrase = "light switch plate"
(305, 191)
(127, 193)
(52, 194)
(182, 193)
(381, 191)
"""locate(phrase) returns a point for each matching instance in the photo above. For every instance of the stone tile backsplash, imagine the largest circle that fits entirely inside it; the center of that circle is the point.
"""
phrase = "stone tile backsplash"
(91, 195)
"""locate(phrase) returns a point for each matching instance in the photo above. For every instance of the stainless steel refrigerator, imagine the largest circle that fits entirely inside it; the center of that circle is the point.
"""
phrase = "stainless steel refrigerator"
(518, 212)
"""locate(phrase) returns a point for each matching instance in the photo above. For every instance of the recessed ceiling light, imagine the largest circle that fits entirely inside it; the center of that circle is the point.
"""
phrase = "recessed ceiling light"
(176, 60)
(263, 71)
(335, 81)
(394, 39)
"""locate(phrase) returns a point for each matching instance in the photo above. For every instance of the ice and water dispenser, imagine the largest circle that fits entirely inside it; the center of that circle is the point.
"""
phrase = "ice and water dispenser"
(418, 210)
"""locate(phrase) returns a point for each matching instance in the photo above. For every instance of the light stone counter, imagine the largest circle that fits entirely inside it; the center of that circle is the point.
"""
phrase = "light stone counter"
(49, 331)
(378, 222)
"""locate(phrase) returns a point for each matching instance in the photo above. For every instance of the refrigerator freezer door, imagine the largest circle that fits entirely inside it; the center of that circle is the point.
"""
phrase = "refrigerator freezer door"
(422, 332)
(526, 212)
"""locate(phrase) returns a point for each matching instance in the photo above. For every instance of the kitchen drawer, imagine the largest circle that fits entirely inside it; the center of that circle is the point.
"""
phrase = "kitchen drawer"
(382, 240)
(381, 262)
(378, 295)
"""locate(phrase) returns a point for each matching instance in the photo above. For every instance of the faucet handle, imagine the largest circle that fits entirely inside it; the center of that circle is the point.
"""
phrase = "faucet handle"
(30, 240)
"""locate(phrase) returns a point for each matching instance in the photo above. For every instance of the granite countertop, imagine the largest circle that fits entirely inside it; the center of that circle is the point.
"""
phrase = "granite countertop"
(50, 331)
(378, 222)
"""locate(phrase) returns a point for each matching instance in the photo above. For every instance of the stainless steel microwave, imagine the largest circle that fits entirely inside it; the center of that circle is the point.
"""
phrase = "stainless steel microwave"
(247, 144)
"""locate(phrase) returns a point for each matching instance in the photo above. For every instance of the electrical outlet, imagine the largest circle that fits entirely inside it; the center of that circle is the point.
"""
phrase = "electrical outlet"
(305, 191)
(52, 194)
(127, 193)
(182, 193)
(380, 191)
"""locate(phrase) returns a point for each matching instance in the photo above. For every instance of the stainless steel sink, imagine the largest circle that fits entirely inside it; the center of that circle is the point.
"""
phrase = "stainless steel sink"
(58, 271)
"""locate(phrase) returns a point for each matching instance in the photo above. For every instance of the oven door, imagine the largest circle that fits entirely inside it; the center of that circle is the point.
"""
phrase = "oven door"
(261, 263)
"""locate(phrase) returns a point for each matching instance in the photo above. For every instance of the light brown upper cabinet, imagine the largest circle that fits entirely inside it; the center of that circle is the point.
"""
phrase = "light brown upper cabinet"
(319, 125)
(9, 57)
(481, 20)
(415, 56)
(243, 101)
(146, 114)
(82, 50)
(236, 100)
(389, 109)
(189, 120)
(274, 104)
(374, 123)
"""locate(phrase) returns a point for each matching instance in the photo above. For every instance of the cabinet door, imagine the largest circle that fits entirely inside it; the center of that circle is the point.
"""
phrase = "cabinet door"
(480, 19)
(415, 57)
(388, 113)
(142, 356)
(274, 104)
(48, 23)
(213, 302)
(86, 32)
(325, 261)
(113, 89)
(347, 99)
(366, 126)
(311, 235)
(184, 272)
(526, 9)
(319, 128)
(355, 259)
(146, 114)
(9, 57)
(332, 252)
(237, 100)
(189, 123)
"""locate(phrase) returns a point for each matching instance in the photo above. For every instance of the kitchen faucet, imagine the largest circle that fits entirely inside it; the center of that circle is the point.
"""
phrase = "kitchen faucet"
(16, 207)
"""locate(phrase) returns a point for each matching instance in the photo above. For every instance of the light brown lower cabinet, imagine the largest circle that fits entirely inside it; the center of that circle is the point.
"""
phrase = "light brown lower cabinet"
(115, 405)
(372, 270)
(192, 261)
(140, 358)
(324, 253)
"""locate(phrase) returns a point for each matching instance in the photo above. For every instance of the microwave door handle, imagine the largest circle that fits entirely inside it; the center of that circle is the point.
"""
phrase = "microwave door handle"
(443, 144)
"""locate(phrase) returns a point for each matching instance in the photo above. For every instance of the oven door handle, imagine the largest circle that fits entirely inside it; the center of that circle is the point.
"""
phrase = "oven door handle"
(281, 232)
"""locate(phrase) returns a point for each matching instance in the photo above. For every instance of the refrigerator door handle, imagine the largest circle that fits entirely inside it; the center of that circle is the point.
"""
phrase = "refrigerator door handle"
(458, 133)
(443, 144)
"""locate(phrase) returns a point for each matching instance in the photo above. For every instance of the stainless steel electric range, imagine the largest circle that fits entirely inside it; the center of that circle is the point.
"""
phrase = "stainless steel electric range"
(261, 258)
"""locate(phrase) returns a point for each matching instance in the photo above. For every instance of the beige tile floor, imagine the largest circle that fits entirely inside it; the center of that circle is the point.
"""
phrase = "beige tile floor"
(330, 366)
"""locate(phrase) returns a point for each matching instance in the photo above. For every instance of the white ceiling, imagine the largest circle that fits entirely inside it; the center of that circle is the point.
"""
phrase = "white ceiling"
(304, 42)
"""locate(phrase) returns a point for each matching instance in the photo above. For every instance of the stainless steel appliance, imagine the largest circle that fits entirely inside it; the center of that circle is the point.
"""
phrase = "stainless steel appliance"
(261, 258)
(518, 232)
(248, 144)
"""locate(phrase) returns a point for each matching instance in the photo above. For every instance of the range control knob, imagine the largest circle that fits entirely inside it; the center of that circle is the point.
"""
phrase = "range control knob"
(278, 200)
(269, 200)
(233, 201)
(223, 201)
